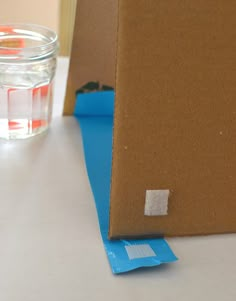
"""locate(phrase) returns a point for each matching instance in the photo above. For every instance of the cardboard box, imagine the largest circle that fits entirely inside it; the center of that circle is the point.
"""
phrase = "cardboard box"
(173, 64)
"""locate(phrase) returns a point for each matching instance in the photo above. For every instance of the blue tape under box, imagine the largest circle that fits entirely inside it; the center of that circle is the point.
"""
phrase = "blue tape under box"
(94, 112)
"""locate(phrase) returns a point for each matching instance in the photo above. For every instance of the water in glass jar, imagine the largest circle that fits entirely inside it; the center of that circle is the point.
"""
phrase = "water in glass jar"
(26, 80)
(25, 111)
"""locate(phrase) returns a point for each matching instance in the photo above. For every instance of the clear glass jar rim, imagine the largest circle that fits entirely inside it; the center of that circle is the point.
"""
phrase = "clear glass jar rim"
(34, 28)
(47, 47)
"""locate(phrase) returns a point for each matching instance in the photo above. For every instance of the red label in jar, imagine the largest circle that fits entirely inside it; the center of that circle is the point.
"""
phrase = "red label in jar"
(11, 42)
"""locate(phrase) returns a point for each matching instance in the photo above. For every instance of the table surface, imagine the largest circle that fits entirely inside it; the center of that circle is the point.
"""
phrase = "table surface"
(50, 246)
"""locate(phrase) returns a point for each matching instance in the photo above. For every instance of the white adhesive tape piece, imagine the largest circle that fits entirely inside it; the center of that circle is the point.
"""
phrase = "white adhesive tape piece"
(156, 203)
(139, 251)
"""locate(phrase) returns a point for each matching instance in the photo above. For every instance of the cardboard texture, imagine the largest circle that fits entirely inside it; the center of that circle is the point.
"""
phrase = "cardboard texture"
(175, 110)
(94, 47)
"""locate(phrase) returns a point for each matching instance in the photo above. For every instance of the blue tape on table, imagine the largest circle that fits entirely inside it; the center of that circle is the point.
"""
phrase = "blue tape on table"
(94, 112)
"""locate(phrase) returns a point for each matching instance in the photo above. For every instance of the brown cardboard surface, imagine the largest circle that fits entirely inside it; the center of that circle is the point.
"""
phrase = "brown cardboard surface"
(93, 48)
(175, 117)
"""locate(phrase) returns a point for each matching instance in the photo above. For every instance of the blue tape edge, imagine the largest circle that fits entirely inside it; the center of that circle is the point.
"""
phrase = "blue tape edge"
(94, 111)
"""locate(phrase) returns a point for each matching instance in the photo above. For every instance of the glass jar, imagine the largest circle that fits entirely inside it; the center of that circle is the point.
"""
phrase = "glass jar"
(27, 69)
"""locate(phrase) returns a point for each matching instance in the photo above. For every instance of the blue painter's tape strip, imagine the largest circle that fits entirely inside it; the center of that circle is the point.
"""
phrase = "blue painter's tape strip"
(97, 129)
(95, 104)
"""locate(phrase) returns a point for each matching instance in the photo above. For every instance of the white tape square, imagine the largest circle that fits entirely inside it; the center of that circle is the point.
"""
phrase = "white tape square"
(139, 251)
(156, 203)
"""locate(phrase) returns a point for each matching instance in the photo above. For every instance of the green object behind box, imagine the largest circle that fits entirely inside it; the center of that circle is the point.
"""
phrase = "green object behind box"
(173, 65)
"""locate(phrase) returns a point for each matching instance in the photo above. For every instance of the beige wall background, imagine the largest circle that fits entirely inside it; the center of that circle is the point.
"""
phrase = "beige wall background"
(43, 12)
(56, 14)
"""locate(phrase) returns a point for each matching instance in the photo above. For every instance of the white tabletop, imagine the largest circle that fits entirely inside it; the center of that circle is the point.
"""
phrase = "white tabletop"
(50, 246)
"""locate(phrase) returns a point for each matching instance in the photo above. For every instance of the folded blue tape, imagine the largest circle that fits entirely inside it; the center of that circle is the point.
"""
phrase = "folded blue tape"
(94, 112)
